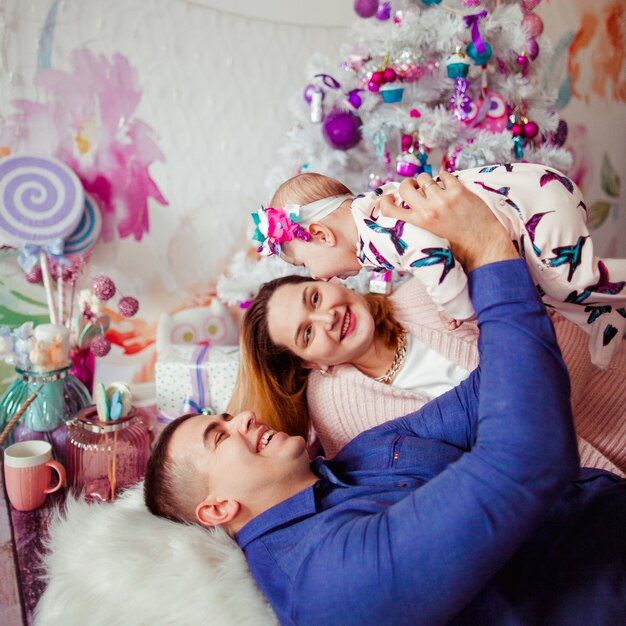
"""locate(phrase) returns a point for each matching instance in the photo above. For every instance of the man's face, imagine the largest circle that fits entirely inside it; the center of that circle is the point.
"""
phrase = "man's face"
(238, 458)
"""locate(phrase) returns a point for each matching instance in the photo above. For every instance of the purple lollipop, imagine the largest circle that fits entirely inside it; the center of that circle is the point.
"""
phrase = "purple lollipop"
(41, 200)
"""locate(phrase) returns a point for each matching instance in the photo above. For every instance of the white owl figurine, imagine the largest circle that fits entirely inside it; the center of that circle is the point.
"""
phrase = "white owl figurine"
(211, 324)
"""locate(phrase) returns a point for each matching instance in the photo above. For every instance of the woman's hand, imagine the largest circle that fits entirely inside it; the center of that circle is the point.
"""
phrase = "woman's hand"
(450, 210)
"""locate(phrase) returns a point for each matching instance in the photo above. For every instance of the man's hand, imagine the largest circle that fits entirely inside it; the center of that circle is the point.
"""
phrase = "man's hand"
(450, 210)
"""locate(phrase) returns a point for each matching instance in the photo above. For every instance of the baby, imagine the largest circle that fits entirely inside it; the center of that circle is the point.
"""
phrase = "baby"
(322, 226)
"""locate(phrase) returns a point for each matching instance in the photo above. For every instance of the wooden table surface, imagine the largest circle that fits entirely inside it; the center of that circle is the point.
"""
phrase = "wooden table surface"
(21, 546)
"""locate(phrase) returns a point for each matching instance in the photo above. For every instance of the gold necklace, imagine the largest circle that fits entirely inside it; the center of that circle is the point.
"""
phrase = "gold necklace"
(398, 360)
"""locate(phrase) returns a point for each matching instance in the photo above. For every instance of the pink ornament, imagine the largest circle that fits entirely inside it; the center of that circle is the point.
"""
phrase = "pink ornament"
(104, 288)
(531, 129)
(100, 346)
(522, 60)
(389, 75)
(407, 142)
(529, 5)
(532, 24)
(414, 113)
(365, 8)
(378, 78)
(532, 48)
(128, 306)
(517, 130)
(373, 87)
(34, 276)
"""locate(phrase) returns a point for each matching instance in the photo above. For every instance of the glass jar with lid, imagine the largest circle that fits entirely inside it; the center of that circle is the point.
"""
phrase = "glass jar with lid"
(103, 458)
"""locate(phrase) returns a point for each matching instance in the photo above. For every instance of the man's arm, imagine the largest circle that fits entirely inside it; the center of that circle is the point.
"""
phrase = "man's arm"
(429, 554)
(422, 559)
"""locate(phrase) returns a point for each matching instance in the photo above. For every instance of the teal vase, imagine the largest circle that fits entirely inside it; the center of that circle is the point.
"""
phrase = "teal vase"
(60, 395)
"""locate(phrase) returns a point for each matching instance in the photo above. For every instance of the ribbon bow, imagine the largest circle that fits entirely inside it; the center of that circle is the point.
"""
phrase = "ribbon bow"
(29, 256)
(471, 21)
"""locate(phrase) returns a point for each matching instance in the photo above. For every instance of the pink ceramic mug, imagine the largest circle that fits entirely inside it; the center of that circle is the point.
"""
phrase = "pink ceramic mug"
(28, 469)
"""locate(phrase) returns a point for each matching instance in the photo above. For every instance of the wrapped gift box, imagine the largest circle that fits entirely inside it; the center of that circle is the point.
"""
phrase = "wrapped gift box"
(193, 378)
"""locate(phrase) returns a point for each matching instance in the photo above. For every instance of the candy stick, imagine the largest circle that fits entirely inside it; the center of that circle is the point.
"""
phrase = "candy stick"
(15, 419)
(61, 295)
(47, 283)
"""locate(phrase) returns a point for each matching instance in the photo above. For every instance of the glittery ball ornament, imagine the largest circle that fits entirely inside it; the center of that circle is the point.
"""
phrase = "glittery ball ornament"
(366, 8)
(532, 24)
(342, 130)
(34, 276)
(104, 288)
(100, 346)
(128, 306)
(480, 58)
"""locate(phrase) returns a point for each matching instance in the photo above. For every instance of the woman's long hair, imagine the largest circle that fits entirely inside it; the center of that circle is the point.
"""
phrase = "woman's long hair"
(272, 380)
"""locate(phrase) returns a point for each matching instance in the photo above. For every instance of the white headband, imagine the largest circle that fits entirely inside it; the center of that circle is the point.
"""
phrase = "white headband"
(318, 210)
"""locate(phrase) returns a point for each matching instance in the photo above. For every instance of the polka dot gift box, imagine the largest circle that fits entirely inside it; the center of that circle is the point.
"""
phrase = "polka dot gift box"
(193, 378)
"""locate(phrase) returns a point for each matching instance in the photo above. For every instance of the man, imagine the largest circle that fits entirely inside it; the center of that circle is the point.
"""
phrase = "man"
(469, 511)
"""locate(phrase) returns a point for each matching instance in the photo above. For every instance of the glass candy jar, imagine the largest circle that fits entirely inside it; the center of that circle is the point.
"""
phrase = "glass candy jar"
(104, 458)
(60, 396)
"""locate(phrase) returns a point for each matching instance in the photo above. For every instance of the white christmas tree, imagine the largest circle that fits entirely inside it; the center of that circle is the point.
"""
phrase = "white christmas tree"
(452, 83)
(421, 85)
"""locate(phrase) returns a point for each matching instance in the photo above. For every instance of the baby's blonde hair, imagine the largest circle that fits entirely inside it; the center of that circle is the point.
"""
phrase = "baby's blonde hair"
(305, 188)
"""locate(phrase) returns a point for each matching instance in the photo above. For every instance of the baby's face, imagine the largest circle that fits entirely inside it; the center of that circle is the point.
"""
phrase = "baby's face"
(324, 261)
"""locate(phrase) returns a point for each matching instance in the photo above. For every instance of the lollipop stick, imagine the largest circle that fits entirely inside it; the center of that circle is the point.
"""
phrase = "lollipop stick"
(47, 283)
(61, 294)
(71, 306)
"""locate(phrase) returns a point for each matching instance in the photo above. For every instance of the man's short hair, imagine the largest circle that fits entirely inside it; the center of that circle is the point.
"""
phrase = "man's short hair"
(171, 487)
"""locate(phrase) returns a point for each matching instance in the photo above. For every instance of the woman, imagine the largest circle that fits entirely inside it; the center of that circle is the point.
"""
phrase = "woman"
(318, 356)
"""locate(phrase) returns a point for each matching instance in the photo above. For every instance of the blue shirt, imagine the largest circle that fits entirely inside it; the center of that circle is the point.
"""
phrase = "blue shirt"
(464, 511)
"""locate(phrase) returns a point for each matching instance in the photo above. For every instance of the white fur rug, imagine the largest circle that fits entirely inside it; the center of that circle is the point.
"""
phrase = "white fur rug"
(116, 565)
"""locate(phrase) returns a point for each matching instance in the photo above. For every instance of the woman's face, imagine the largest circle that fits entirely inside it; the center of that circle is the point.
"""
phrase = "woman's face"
(323, 323)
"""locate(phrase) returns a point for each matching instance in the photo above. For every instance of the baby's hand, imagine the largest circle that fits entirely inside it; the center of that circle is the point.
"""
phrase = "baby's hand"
(449, 322)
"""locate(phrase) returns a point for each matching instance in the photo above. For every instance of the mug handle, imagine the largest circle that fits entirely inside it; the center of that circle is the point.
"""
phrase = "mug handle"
(60, 470)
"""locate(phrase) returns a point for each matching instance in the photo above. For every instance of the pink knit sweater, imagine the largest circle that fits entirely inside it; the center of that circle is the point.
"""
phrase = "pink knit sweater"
(347, 402)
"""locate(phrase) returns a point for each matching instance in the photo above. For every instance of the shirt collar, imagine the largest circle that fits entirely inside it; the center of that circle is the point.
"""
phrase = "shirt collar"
(297, 507)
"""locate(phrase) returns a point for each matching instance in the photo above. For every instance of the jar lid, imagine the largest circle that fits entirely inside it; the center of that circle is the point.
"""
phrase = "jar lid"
(87, 418)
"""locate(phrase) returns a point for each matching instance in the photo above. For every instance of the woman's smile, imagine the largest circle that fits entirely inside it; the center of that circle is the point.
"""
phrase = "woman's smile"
(348, 323)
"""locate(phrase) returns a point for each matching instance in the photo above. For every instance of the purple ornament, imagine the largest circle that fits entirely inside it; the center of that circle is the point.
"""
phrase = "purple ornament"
(460, 101)
(342, 130)
(532, 48)
(309, 90)
(560, 134)
(365, 8)
(384, 11)
(354, 100)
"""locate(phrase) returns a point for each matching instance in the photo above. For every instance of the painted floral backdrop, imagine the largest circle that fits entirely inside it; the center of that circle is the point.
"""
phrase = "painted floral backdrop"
(172, 112)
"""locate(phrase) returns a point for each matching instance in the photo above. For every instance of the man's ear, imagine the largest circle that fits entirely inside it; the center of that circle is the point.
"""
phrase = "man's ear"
(322, 233)
(217, 513)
